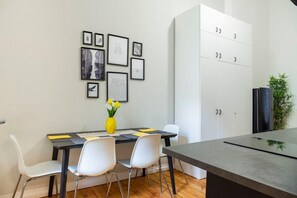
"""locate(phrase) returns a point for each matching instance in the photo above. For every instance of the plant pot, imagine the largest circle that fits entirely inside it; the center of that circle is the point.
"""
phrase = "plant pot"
(110, 125)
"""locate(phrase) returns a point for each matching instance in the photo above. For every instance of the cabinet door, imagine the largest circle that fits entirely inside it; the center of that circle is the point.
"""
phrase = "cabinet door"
(216, 47)
(243, 101)
(210, 46)
(211, 20)
(242, 32)
(225, 99)
(209, 78)
(242, 54)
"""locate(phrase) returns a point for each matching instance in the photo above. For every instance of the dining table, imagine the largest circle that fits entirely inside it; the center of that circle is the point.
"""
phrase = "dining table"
(65, 142)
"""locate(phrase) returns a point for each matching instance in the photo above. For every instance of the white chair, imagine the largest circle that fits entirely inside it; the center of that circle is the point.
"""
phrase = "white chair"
(47, 168)
(172, 128)
(97, 157)
(145, 154)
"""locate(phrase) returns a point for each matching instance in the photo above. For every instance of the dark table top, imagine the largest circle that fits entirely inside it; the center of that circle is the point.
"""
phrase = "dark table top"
(269, 173)
(77, 142)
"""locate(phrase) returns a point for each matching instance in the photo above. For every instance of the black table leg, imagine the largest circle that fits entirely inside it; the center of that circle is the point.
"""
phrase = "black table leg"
(170, 164)
(52, 178)
(65, 161)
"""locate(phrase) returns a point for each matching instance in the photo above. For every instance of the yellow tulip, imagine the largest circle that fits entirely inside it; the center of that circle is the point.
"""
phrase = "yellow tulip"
(117, 104)
(109, 101)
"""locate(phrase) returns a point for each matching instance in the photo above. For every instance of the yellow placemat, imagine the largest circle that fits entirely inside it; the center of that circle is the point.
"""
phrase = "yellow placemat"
(54, 137)
(139, 134)
(92, 138)
(148, 130)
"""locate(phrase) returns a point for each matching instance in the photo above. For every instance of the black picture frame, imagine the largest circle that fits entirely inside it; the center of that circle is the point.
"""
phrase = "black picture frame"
(137, 49)
(117, 50)
(137, 69)
(87, 38)
(92, 64)
(117, 86)
(99, 40)
(92, 90)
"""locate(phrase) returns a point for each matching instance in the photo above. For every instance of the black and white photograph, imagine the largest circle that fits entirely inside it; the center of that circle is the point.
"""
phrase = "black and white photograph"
(87, 38)
(92, 64)
(117, 86)
(137, 49)
(137, 69)
(92, 90)
(99, 40)
(117, 50)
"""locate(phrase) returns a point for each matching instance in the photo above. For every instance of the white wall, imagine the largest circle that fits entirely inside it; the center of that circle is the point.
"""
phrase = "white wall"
(283, 44)
(41, 90)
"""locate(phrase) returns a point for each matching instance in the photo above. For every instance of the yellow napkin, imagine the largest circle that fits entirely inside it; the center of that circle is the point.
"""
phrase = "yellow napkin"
(147, 130)
(139, 134)
(54, 137)
(92, 138)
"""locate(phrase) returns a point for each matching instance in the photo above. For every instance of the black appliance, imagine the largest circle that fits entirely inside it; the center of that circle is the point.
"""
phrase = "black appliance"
(262, 110)
(295, 2)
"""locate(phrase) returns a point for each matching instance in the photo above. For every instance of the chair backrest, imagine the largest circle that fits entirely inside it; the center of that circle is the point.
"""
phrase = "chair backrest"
(21, 162)
(146, 151)
(172, 128)
(97, 157)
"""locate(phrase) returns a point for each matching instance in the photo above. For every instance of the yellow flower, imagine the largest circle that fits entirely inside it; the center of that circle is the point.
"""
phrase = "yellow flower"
(117, 104)
(109, 101)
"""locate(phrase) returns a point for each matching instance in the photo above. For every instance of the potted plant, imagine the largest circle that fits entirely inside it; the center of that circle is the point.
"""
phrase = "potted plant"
(282, 100)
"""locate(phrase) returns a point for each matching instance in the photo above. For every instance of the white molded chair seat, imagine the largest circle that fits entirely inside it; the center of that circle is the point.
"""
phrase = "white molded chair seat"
(42, 169)
(145, 154)
(97, 158)
(172, 128)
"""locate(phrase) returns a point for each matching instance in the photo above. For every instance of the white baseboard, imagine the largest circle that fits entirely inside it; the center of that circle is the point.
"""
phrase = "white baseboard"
(88, 182)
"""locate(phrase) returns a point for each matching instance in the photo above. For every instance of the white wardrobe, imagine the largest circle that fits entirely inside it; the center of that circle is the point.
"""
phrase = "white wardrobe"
(213, 77)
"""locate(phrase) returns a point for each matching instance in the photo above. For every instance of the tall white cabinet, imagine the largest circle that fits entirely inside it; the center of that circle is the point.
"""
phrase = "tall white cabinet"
(213, 77)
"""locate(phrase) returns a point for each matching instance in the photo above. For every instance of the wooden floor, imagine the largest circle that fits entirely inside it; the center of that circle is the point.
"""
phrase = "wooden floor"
(140, 188)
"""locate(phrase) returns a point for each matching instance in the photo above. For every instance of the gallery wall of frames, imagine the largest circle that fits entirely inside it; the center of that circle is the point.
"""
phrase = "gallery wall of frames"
(95, 57)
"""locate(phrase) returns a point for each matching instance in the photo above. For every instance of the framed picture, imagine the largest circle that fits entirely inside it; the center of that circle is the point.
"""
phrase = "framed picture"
(92, 90)
(137, 49)
(117, 50)
(87, 38)
(99, 40)
(117, 86)
(137, 69)
(92, 64)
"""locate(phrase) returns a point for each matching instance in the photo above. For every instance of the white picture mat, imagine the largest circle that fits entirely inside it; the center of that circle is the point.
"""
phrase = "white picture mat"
(117, 50)
(137, 68)
(98, 134)
(117, 86)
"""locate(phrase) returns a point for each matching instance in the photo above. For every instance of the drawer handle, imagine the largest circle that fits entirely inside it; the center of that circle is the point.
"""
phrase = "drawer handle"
(235, 36)
(217, 54)
(220, 112)
(217, 29)
(235, 59)
(217, 111)
(220, 55)
(220, 31)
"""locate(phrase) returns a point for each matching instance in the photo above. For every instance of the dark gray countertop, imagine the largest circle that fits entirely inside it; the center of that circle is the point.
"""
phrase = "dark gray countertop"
(268, 173)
